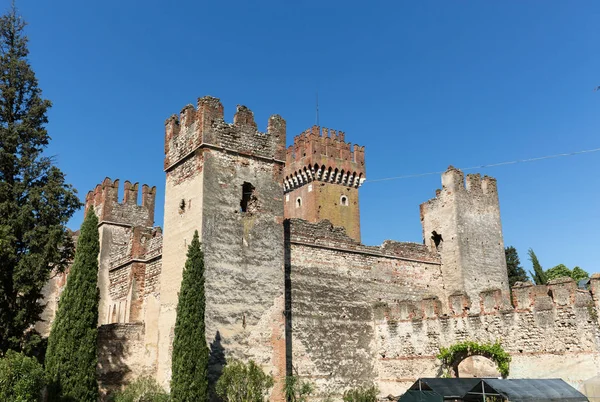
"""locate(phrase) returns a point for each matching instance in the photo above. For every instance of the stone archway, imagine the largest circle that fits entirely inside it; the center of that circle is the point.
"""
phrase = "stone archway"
(477, 366)
(453, 356)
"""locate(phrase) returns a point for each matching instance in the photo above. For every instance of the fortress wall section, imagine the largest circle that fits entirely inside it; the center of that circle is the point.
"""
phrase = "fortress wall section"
(553, 332)
(333, 287)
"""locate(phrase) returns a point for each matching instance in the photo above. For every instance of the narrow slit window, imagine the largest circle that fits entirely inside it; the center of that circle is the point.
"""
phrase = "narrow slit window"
(248, 202)
(298, 202)
(344, 201)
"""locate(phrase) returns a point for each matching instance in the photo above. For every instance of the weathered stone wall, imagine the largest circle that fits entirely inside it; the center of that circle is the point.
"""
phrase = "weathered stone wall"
(362, 315)
(122, 355)
(244, 263)
(463, 224)
(334, 286)
(553, 332)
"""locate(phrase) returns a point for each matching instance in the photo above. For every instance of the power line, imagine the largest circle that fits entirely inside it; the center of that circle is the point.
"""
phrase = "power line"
(489, 165)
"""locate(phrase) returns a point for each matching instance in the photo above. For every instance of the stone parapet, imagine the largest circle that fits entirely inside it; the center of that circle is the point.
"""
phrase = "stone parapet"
(205, 126)
(105, 200)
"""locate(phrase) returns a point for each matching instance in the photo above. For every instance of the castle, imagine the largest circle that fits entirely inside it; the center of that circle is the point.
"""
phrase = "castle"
(288, 282)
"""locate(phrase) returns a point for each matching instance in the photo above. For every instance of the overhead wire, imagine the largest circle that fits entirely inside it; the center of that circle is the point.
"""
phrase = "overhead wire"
(487, 165)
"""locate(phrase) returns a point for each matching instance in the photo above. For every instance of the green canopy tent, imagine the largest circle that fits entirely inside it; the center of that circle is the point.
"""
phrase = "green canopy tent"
(524, 390)
(421, 396)
(438, 389)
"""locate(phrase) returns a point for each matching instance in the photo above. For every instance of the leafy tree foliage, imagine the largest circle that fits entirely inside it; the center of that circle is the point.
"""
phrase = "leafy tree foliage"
(71, 357)
(35, 201)
(579, 274)
(21, 378)
(538, 274)
(562, 271)
(244, 383)
(516, 273)
(558, 271)
(143, 389)
(189, 381)
(297, 390)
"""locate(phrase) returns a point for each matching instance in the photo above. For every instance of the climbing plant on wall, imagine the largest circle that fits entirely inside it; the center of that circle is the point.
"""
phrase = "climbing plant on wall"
(453, 355)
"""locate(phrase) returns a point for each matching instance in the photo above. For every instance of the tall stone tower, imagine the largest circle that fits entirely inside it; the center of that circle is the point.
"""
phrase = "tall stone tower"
(225, 180)
(462, 223)
(322, 176)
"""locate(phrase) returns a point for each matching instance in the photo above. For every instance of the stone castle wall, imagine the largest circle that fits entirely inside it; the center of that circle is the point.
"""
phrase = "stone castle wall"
(307, 298)
(334, 285)
(552, 332)
(363, 315)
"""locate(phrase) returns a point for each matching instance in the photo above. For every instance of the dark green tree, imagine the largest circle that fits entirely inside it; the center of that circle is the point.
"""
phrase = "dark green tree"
(516, 273)
(35, 201)
(71, 357)
(189, 380)
(538, 274)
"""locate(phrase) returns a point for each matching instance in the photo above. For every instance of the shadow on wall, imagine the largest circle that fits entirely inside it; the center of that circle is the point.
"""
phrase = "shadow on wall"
(216, 363)
(113, 350)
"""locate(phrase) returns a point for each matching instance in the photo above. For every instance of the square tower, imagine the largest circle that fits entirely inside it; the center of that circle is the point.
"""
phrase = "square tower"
(322, 177)
(462, 223)
(225, 180)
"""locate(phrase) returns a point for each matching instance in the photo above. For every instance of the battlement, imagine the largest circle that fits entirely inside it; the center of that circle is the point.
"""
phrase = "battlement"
(205, 126)
(558, 294)
(454, 181)
(104, 199)
(322, 154)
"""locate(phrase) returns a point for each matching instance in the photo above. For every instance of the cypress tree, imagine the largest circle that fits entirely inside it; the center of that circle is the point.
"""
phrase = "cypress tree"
(35, 201)
(71, 357)
(538, 274)
(189, 381)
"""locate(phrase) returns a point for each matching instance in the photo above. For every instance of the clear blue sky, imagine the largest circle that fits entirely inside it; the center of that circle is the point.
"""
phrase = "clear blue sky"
(422, 84)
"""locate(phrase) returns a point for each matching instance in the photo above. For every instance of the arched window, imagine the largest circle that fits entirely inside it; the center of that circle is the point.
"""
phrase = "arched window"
(344, 201)
(298, 202)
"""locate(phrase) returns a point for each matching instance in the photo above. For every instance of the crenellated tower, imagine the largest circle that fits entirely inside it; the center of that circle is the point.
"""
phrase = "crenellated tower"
(462, 223)
(225, 180)
(322, 177)
(128, 242)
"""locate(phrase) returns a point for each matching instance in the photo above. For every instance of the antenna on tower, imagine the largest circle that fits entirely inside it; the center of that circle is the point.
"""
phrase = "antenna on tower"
(317, 107)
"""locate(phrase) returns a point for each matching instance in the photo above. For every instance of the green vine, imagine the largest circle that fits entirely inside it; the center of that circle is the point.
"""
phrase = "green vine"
(456, 353)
